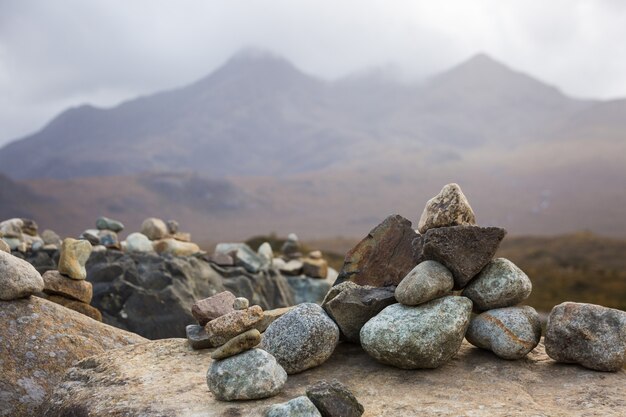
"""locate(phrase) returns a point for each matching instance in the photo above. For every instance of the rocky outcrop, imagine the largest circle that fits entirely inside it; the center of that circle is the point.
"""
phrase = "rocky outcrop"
(167, 378)
(132, 289)
(39, 340)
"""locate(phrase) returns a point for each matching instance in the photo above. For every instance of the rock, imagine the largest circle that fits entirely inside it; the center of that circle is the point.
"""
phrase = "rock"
(213, 307)
(109, 239)
(425, 336)
(91, 235)
(240, 343)
(241, 303)
(224, 328)
(315, 268)
(104, 223)
(500, 284)
(351, 306)
(308, 290)
(291, 247)
(182, 236)
(34, 242)
(316, 254)
(12, 228)
(74, 255)
(138, 242)
(587, 334)
(18, 278)
(57, 284)
(291, 268)
(98, 248)
(29, 227)
(251, 375)
(39, 341)
(299, 406)
(510, 333)
(269, 316)
(154, 228)
(464, 250)
(130, 289)
(448, 208)
(51, 238)
(242, 255)
(303, 338)
(172, 227)
(333, 399)
(166, 378)
(78, 306)
(4, 246)
(222, 259)
(425, 282)
(175, 247)
(266, 254)
(385, 256)
(197, 337)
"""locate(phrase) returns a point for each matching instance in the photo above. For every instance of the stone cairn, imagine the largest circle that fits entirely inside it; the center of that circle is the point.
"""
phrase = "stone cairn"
(409, 298)
(21, 235)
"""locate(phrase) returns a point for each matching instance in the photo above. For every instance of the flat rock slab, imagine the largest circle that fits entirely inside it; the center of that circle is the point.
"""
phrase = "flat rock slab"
(167, 378)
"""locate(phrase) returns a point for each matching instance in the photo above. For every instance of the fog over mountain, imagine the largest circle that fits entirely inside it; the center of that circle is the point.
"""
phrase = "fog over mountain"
(258, 145)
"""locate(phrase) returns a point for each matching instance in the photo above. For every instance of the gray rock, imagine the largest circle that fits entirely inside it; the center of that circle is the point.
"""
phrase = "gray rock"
(425, 282)
(308, 290)
(464, 250)
(12, 228)
(51, 238)
(18, 278)
(91, 235)
(251, 375)
(291, 247)
(448, 208)
(425, 336)
(14, 243)
(172, 227)
(510, 333)
(108, 238)
(241, 303)
(240, 343)
(333, 399)
(242, 254)
(303, 338)
(29, 227)
(587, 334)
(266, 254)
(298, 407)
(197, 337)
(351, 306)
(154, 228)
(104, 223)
(500, 284)
(293, 267)
(138, 242)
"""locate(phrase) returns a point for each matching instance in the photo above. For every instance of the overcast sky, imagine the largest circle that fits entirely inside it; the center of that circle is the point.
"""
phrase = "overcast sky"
(56, 54)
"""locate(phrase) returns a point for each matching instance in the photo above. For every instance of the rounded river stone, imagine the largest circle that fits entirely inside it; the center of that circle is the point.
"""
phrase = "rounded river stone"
(425, 282)
(500, 284)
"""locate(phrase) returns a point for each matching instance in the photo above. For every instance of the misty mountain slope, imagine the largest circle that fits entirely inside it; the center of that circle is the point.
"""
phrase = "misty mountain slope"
(259, 115)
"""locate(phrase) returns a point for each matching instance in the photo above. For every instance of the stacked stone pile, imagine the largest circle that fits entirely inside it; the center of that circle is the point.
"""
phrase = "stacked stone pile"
(21, 235)
(68, 286)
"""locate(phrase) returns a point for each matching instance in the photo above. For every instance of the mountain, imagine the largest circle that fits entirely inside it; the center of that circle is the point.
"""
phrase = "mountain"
(280, 150)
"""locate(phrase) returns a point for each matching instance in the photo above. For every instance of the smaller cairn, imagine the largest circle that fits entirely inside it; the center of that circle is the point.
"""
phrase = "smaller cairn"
(291, 247)
(21, 235)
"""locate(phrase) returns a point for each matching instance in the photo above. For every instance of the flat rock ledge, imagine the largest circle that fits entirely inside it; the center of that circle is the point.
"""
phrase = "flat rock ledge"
(167, 378)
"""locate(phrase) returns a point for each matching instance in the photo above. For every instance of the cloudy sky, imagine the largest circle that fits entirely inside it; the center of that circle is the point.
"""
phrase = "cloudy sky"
(56, 54)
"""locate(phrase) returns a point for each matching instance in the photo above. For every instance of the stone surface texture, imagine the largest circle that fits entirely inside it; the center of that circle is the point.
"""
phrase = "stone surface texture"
(298, 407)
(74, 256)
(464, 250)
(510, 333)
(57, 284)
(225, 327)
(448, 208)
(500, 284)
(425, 282)
(78, 306)
(303, 338)
(587, 334)
(39, 340)
(18, 278)
(154, 228)
(167, 378)
(425, 336)
(240, 343)
(384, 256)
(213, 307)
(253, 374)
(333, 399)
(351, 306)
